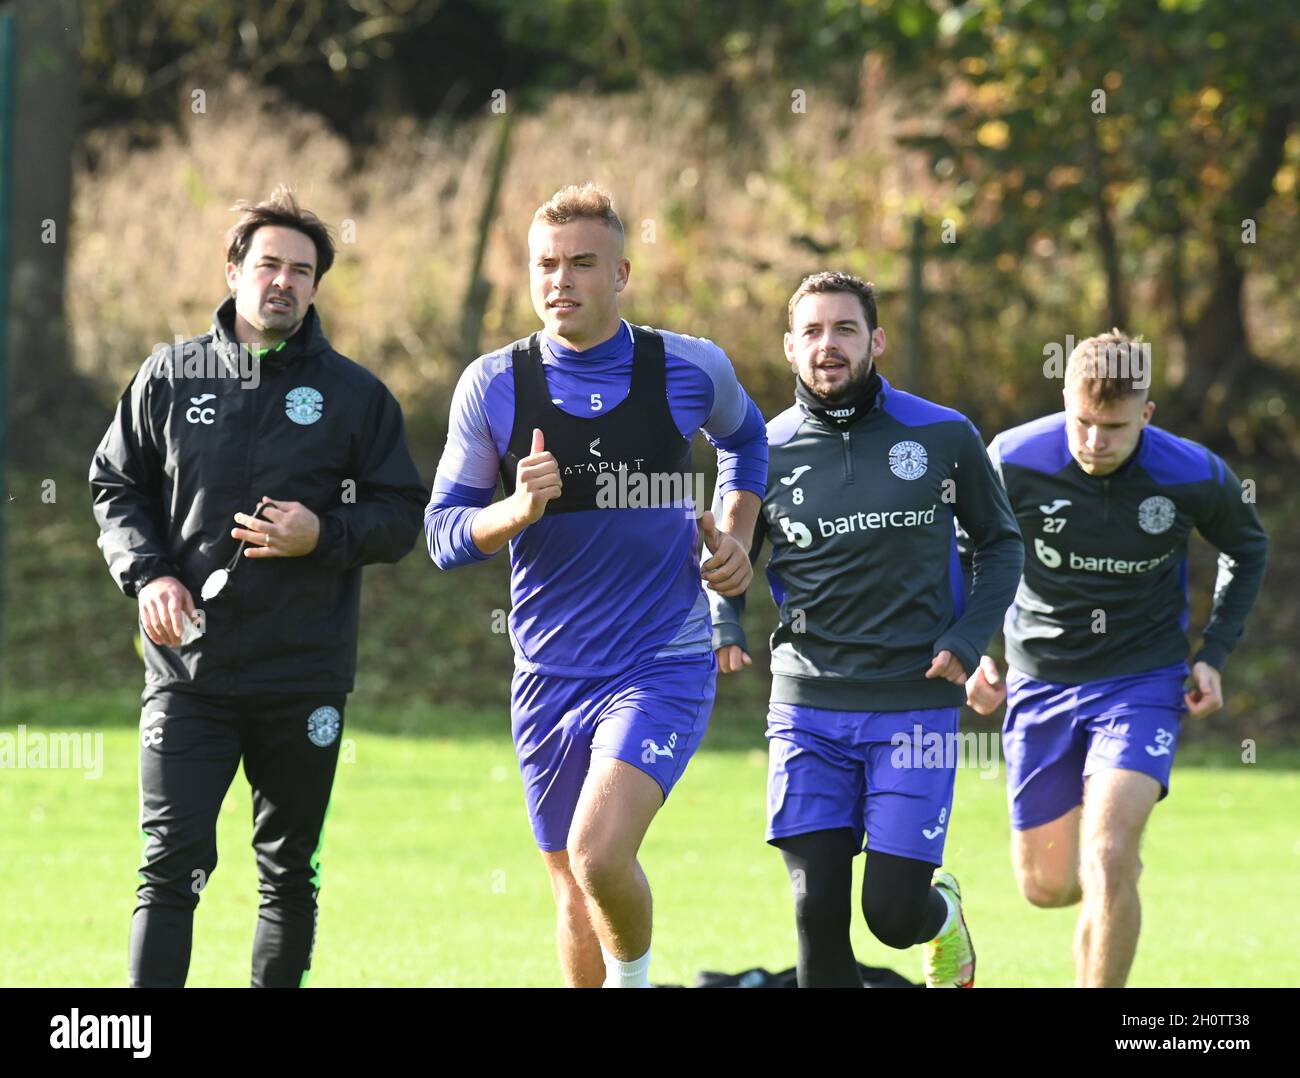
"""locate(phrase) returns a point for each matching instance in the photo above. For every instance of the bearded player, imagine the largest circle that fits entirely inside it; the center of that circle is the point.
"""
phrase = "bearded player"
(877, 635)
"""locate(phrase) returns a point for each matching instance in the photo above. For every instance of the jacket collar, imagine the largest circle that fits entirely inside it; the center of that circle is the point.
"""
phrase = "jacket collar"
(847, 414)
(307, 341)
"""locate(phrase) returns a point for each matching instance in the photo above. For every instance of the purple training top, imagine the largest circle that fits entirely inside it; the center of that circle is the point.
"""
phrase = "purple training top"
(596, 592)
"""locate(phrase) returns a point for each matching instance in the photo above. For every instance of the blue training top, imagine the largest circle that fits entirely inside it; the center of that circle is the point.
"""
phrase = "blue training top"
(596, 592)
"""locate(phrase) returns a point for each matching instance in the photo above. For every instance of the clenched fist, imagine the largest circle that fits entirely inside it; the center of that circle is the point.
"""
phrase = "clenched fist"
(947, 666)
(985, 689)
(537, 481)
(165, 605)
(1206, 696)
(728, 572)
(732, 659)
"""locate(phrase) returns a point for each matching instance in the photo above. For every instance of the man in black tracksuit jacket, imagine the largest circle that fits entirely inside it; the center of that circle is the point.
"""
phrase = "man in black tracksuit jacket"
(878, 631)
(259, 413)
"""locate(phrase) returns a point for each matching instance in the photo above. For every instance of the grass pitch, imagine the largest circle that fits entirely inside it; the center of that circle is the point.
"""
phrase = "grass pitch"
(430, 876)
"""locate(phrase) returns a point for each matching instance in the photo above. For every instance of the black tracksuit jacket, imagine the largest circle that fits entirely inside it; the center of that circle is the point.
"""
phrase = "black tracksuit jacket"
(865, 569)
(1104, 592)
(187, 450)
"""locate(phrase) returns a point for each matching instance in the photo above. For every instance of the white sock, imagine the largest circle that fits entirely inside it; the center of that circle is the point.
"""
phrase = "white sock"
(952, 913)
(620, 974)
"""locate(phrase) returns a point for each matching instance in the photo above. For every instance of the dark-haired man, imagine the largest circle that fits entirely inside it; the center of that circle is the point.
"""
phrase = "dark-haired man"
(1097, 636)
(284, 484)
(877, 634)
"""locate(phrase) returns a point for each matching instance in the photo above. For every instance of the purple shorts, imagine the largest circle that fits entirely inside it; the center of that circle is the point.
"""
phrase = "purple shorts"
(864, 770)
(1055, 736)
(651, 716)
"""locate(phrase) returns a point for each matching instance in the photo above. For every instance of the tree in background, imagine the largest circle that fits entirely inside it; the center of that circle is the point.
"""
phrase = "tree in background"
(43, 386)
(1149, 147)
(1154, 134)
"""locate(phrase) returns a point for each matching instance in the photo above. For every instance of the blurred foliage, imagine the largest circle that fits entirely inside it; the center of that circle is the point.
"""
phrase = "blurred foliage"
(1084, 162)
(719, 234)
(353, 61)
(422, 57)
(746, 144)
(1151, 133)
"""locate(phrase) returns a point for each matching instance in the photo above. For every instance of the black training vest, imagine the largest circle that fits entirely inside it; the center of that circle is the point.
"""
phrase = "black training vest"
(636, 435)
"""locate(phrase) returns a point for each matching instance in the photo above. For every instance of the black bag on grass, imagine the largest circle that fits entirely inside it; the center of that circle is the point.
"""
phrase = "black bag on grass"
(872, 977)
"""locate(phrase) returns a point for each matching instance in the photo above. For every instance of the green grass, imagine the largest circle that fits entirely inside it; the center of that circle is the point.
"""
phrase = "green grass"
(430, 876)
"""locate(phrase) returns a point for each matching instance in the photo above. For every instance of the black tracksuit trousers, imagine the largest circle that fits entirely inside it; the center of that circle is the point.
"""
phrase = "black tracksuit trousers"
(190, 749)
